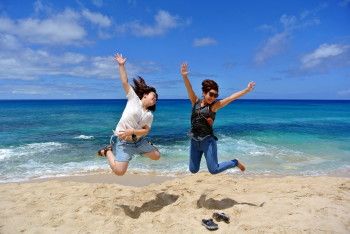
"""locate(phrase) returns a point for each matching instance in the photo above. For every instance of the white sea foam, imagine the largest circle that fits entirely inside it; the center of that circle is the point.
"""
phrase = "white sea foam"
(39, 148)
(32, 169)
(28, 162)
(245, 149)
(31, 149)
(250, 148)
(260, 157)
(84, 137)
(5, 154)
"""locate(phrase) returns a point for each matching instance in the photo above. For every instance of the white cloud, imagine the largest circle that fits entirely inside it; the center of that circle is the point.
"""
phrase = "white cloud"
(6, 24)
(266, 28)
(277, 42)
(206, 41)
(28, 64)
(97, 18)
(273, 46)
(164, 21)
(41, 88)
(288, 21)
(63, 28)
(322, 54)
(38, 6)
(313, 12)
(9, 42)
(30, 89)
(72, 58)
(98, 3)
(325, 58)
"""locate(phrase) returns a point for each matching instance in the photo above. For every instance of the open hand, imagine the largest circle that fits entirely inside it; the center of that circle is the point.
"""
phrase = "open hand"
(119, 58)
(251, 86)
(184, 70)
(125, 134)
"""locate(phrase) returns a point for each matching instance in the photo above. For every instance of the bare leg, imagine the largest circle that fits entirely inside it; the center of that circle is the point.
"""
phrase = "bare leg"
(240, 166)
(119, 168)
(154, 155)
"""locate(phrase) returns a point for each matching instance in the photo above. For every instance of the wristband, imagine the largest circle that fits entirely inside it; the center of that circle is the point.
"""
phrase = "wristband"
(134, 137)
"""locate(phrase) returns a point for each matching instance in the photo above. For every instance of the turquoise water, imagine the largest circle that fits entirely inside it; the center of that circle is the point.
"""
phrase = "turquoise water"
(55, 137)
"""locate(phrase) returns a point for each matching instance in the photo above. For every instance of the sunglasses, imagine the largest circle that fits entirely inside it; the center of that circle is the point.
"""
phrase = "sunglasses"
(212, 94)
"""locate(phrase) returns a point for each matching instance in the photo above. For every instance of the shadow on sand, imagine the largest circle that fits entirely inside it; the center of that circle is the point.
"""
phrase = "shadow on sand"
(225, 203)
(162, 200)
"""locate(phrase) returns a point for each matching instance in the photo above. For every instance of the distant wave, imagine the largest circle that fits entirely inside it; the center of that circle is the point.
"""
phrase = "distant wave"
(32, 149)
(230, 146)
(83, 137)
(42, 147)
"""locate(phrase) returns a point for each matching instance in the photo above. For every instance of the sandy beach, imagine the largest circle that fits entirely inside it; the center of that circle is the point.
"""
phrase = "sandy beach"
(93, 204)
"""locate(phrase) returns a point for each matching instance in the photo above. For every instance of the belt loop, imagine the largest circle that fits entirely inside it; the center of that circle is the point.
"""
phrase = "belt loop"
(111, 140)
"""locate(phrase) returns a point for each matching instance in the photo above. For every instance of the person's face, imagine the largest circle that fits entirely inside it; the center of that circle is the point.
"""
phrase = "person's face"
(210, 96)
(151, 99)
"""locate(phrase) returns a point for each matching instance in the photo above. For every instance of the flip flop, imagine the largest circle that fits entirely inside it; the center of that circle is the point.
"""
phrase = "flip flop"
(209, 224)
(221, 216)
(103, 152)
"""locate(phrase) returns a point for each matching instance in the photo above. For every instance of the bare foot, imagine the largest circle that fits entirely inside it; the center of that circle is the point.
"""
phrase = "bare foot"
(240, 166)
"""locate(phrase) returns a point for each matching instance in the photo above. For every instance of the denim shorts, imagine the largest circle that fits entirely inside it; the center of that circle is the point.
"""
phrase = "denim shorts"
(124, 150)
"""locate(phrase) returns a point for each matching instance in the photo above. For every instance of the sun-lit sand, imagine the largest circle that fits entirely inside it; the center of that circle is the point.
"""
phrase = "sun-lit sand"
(94, 204)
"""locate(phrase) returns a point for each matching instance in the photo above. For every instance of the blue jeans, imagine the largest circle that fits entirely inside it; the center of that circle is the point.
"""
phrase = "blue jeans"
(209, 148)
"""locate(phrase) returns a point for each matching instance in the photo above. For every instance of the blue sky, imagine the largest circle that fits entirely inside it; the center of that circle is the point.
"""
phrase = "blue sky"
(64, 49)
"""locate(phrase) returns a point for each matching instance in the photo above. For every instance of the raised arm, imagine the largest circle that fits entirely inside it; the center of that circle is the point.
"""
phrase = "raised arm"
(122, 72)
(220, 104)
(184, 72)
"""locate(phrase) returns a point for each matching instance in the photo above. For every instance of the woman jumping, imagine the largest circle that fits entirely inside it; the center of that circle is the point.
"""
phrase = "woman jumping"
(135, 123)
(204, 110)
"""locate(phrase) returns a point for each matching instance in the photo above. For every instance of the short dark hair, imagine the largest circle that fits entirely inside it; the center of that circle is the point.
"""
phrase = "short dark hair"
(208, 85)
(141, 88)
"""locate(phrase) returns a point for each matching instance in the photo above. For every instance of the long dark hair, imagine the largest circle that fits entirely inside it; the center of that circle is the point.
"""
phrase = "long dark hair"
(141, 88)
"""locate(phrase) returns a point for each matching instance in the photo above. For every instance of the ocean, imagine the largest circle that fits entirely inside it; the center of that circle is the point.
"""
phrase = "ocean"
(51, 138)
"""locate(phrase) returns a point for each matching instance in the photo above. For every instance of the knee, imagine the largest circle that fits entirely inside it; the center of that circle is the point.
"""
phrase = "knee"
(156, 155)
(213, 171)
(194, 170)
(119, 172)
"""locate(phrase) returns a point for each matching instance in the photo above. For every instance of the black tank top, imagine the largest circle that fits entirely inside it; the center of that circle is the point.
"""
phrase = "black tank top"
(202, 120)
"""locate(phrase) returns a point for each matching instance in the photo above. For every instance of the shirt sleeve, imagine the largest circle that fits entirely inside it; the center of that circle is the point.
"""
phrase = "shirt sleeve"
(131, 94)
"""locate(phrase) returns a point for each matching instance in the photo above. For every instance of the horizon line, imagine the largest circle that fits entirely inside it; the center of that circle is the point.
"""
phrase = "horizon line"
(245, 99)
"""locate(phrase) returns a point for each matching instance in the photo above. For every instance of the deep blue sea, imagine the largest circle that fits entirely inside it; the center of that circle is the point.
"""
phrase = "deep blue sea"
(278, 137)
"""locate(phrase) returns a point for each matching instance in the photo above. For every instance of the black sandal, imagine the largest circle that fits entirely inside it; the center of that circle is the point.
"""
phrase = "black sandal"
(221, 216)
(103, 152)
(209, 224)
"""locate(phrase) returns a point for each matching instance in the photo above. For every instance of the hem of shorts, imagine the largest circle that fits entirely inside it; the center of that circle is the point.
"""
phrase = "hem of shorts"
(116, 160)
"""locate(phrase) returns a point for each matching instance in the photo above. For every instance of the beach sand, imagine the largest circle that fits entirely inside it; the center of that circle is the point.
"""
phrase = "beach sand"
(94, 204)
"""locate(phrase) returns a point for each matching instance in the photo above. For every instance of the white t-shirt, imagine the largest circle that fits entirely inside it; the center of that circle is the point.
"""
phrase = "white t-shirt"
(134, 116)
